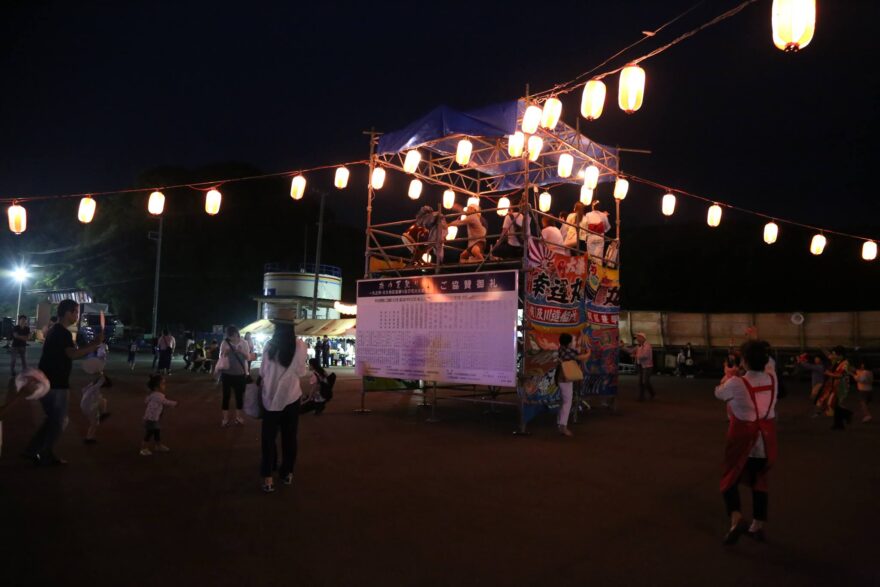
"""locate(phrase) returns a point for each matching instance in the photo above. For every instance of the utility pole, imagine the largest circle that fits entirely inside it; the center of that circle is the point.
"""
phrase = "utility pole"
(158, 240)
(318, 257)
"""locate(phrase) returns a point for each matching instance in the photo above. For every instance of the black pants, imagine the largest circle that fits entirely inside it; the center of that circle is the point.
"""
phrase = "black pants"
(234, 383)
(286, 421)
(505, 250)
(645, 381)
(316, 407)
(759, 498)
(841, 415)
(152, 431)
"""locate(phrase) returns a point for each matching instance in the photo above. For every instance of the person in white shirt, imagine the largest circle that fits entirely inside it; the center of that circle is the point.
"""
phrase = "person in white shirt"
(166, 346)
(643, 355)
(284, 362)
(597, 224)
(573, 234)
(156, 402)
(552, 236)
(865, 385)
(751, 445)
(509, 245)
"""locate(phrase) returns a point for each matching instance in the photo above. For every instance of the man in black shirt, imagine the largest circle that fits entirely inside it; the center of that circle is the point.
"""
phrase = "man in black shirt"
(56, 362)
(20, 335)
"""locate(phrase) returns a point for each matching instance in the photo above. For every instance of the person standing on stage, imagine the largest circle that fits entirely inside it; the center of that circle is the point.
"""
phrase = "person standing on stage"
(751, 445)
(56, 362)
(597, 225)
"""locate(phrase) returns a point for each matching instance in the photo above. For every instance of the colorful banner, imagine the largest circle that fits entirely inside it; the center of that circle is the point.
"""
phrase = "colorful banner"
(569, 294)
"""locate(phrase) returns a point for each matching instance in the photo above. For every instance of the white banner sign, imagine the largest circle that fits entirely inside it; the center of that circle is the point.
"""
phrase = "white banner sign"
(446, 328)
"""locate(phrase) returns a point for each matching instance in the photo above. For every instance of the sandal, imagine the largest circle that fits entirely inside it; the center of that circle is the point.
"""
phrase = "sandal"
(268, 488)
(287, 479)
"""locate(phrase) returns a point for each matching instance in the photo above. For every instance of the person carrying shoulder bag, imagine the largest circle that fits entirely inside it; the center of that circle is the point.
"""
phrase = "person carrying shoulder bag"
(233, 369)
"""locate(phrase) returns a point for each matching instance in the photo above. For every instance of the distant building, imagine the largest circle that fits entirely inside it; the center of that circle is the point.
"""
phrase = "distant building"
(292, 286)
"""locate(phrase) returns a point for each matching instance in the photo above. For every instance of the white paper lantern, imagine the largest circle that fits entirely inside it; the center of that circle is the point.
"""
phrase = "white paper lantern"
(86, 212)
(298, 186)
(536, 143)
(869, 251)
(794, 23)
(593, 99)
(17, 218)
(341, 178)
(377, 179)
(503, 205)
(713, 218)
(621, 187)
(448, 199)
(544, 201)
(515, 144)
(463, 152)
(586, 195)
(817, 245)
(415, 189)
(591, 177)
(631, 90)
(551, 113)
(212, 202)
(566, 163)
(451, 233)
(156, 203)
(473, 201)
(668, 205)
(412, 160)
(531, 119)
(771, 232)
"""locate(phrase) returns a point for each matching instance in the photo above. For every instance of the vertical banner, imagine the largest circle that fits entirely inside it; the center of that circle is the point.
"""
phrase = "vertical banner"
(569, 294)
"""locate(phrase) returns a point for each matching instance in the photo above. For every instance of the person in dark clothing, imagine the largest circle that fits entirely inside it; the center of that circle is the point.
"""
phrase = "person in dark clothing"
(56, 362)
(319, 350)
(321, 389)
(325, 347)
(21, 332)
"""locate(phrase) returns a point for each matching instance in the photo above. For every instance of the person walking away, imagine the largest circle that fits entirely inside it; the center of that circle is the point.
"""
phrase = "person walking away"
(751, 446)
(865, 385)
(552, 236)
(21, 332)
(325, 351)
(166, 346)
(93, 403)
(156, 402)
(284, 362)
(233, 368)
(566, 388)
(840, 375)
(132, 353)
(321, 391)
(643, 354)
(56, 362)
(597, 225)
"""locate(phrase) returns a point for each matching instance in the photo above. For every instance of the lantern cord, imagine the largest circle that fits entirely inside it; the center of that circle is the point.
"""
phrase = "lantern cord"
(572, 85)
(202, 186)
(777, 219)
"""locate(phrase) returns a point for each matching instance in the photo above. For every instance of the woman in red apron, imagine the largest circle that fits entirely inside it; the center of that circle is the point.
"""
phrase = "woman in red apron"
(751, 447)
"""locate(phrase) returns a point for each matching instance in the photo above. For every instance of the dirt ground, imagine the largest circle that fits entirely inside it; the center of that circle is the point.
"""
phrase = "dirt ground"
(390, 499)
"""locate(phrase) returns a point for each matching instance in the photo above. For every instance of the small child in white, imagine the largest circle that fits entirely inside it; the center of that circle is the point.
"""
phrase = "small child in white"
(94, 405)
(156, 402)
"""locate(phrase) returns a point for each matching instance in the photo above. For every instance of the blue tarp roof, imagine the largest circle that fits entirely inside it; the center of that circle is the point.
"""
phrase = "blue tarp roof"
(497, 121)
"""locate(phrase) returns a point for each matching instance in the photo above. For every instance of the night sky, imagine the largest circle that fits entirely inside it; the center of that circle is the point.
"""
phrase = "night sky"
(95, 94)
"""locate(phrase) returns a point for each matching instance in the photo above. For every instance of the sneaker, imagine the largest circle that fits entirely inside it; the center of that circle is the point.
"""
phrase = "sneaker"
(287, 479)
(224, 423)
(268, 488)
(162, 448)
(145, 452)
(239, 421)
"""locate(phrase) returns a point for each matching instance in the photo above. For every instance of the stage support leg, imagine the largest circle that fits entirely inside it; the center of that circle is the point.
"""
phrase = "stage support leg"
(434, 417)
(363, 409)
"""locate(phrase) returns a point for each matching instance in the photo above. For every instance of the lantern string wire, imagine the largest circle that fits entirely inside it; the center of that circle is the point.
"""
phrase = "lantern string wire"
(571, 85)
(202, 186)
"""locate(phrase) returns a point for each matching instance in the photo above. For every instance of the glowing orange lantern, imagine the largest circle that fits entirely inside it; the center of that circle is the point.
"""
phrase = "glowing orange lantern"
(86, 212)
(156, 203)
(377, 179)
(412, 160)
(591, 177)
(593, 99)
(713, 218)
(668, 205)
(794, 23)
(869, 251)
(415, 189)
(551, 113)
(631, 90)
(341, 178)
(531, 119)
(212, 202)
(17, 218)
(298, 186)
(771, 232)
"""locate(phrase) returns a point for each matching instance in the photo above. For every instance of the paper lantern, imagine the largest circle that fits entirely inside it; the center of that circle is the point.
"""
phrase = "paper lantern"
(631, 90)
(473, 201)
(586, 195)
(566, 162)
(551, 113)
(503, 206)
(817, 245)
(17, 218)
(536, 143)
(448, 199)
(415, 189)
(212, 202)
(668, 205)
(771, 232)
(298, 185)
(451, 233)
(794, 23)
(531, 119)
(591, 177)
(593, 99)
(869, 251)
(544, 201)
(377, 179)
(463, 152)
(713, 218)
(341, 179)
(426, 257)
(412, 160)
(621, 187)
(156, 204)
(87, 207)
(515, 144)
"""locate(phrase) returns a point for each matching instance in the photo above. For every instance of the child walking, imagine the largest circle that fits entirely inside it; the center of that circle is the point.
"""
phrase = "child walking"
(132, 353)
(94, 405)
(156, 402)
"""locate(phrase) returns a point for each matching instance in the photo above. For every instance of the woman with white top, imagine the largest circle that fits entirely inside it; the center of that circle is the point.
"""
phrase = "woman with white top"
(751, 446)
(284, 362)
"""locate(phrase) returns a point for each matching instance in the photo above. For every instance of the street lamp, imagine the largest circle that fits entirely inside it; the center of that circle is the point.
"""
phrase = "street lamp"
(19, 274)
